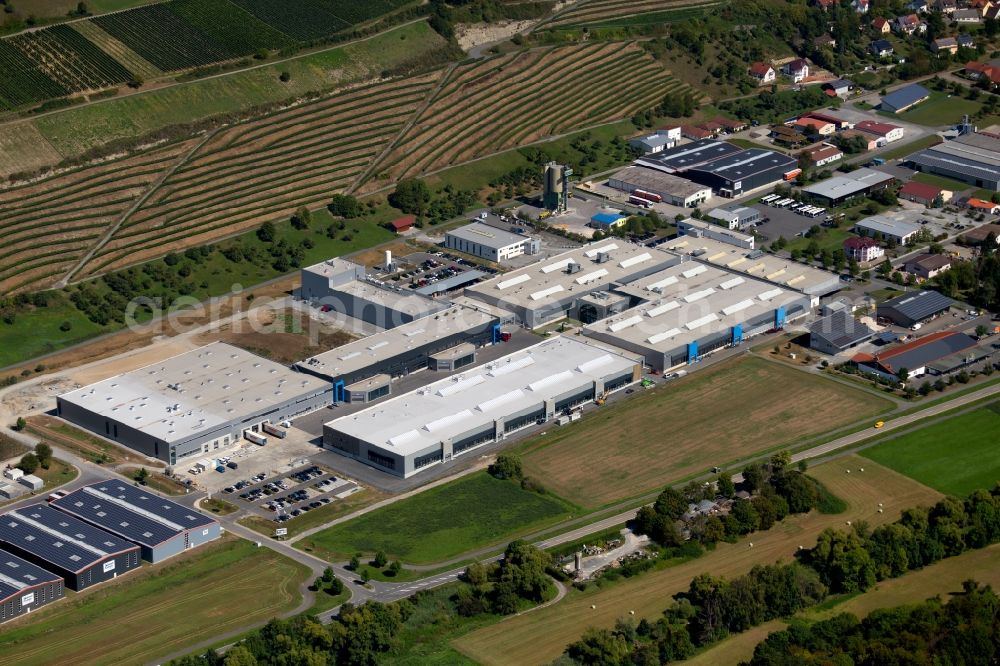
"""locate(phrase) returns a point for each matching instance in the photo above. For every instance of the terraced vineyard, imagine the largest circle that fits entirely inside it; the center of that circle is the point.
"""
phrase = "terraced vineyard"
(598, 11)
(311, 19)
(265, 169)
(47, 226)
(508, 101)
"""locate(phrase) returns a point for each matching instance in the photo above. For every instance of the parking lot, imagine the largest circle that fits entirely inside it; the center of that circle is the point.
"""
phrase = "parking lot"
(285, 496)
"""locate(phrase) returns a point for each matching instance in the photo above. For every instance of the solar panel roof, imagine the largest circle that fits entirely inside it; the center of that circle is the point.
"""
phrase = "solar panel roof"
(17, 574)
(918, 305)
(841, 329)
(58, 538)
(132, 513)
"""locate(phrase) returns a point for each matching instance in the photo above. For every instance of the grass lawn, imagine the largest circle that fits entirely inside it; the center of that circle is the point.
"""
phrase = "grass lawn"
(716, 416)
(940, 109)
(159, 609)
(884, 293)
(82, 443)
(912, 147)
(956, 456)
(941, 181)
(38, 331)
(828, 239)
(541, 636)
(60, 8)
(218, 506)
(77, 130)
(473, 511)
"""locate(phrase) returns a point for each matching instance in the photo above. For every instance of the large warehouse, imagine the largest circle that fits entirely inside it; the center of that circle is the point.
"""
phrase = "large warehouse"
(160, 527)
(699, 229)
(972, 159)
(81, 553)
(553, 289)
(858, 183)
(744, 171)
(401, 350)
(692, 310)
(25, 587)
(342, 286)
(674, 190)
(687, 156)
(913, 307)
(193, 403)
(486, 242)
(454, 416)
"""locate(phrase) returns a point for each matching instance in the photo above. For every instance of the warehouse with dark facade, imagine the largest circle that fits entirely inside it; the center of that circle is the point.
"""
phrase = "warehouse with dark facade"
(25, 587)
(744, 171)
(160, 527)
(913, 307)
(82, 554)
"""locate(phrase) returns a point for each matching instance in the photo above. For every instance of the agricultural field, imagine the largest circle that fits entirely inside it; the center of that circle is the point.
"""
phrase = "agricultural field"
(540, 636)
(717, 416)
(23, 148)
(443, 522)
(70, 59)
(213, 589)
(956, 455)
(618, 12)
(307, 20)
(492, 105)
(264, 170)
(60, 8)
(47, 226)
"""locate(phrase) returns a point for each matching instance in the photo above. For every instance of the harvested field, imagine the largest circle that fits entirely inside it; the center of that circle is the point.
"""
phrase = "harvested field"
(285, 336)
(715, 416)
(492, 105)
(599, 11)
(50, 224)
(264, 170)
(25, 149)
(540, 636)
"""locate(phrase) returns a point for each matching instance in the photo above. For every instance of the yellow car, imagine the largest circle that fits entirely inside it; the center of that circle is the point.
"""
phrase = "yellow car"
(879, 424)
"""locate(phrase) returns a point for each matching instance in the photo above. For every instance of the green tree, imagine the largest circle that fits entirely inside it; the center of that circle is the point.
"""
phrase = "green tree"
(302, 219)
(671, 503)
(20, 424)
(239, 656)
(506, 466)
(328, 575)
(29, 463)
(354, 563)
(44, 454)
(411, 196)
(141, 475)
(599, 647)
(344, 205)
(395, 568)
(380, 559)
(266, 232)
(725, 486)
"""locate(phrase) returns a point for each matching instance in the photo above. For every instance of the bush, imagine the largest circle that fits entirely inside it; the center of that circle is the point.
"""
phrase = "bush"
(29, 463)
(507, 466)
(65, 326)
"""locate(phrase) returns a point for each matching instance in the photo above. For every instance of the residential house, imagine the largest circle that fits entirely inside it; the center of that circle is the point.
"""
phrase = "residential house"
(729, 125)
(982, 206)
(871, 142)
(925, 194)
(712, 126)
(885, 132)
(982, 6)
(881, 48)
(836, 121)
(904, 99)
(993, 12)
(786, 135)
(919, 6)
(981, 70)
(814, 126)
(966, 41)
(695, 133)
(763, 72)
(860, 6)
(654, 143)
(945, 45)
(823, 154)
(910, 24)
(797, 69)
(979, 235)
(966, 16)
(672, 133)
(824, 41)
(863, 250)
(882, 26)
(927, 266)
(838, 87)
(946, 6)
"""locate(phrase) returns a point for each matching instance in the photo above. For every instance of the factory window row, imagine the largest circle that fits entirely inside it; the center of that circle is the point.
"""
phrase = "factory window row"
(794, 309)
(464, 361)
(425, 460)
(382, 461)
(618, 382)
(715, 343)
(474, 440)
(522, 421)
(583, 396)
(378, 393)
(678, 359)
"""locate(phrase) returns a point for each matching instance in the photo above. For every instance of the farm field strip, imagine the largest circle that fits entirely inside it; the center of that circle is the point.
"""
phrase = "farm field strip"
(587, 12)
(22, 81)
(132, 61)
(71, 59)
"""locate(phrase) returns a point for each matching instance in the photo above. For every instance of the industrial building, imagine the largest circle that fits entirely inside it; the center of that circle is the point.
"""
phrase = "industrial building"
(691, 310)
(342, 286)
(698, 229)
(160, 527)
(553, 289)
(193, 403)
(486, 242)
(674, 190)
(971, 158)
(904, 99)
(454, 416)
(887, 228)
(401, 350)
(555, 196)
(736, 217)
(747, 170)
(913, 307)
(684, 157)
(25, 587)
(838, 332)
(79, 552)
(916, 356)
(858, 183)
(757, 264)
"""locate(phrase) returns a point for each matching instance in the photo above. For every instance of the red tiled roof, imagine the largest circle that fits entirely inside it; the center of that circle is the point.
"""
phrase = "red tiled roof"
(880, 22)
(823, 152)
(981, 203)
(855, 243)
(759, 69)
(886, 356)
(815, 123)
(922, 190)
(403, 223)
(691, 130)
(873, 127)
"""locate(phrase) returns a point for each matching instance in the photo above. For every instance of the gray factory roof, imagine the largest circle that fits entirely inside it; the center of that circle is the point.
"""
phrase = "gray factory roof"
(747, 163)
(756, 264)
(194, 391)
(458, 351)
(841, 329)
(658, 181)
(385, 345)
(691, 224)
(973, 155)
(688, 155)
(132, 513)
(488, 236)
(395, 298)
(848, 185)
(887, 225)
(689, 301)
(453, 282)
(918, 305)
(550, 280)
(17, 574)
(58, 538)
(478, 396)
(904, 97)
(332, 266)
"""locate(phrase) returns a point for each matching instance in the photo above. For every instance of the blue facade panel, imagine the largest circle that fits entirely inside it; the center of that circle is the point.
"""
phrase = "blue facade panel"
(692, 352)
(779, 318)
(737, 334)
(338, 391)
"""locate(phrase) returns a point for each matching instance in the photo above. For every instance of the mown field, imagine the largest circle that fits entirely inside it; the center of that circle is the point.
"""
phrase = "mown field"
(158, 610)
(715, 416)
(956, 456)
(491, 105)
(443, 522)
(540, 636)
